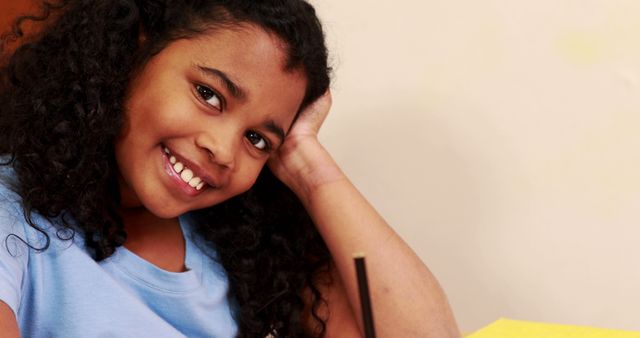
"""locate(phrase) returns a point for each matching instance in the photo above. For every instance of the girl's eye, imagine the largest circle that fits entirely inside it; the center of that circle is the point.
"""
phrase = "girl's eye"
(209, 96)
(258, 141)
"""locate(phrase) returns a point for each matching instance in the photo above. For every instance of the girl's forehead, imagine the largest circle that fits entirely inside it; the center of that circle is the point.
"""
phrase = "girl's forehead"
(245, 41)
(243, 46)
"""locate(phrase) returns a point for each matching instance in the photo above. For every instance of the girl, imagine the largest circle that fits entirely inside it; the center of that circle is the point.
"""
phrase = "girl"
(162, 177)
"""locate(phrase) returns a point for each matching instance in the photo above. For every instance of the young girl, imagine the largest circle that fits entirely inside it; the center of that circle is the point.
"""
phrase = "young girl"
(161, 177)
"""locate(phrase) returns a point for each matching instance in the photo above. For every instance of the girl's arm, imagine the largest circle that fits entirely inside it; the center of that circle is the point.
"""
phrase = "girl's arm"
(8, 323)
(407, 300)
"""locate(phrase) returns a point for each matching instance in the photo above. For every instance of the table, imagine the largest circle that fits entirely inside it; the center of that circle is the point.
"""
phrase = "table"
(508, 328)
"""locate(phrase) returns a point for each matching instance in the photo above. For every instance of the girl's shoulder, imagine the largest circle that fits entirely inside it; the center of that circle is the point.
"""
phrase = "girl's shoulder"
(13, 254)
(13, 224)
(10, 200)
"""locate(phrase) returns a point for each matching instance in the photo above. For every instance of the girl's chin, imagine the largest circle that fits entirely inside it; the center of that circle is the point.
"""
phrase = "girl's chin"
(176, 210)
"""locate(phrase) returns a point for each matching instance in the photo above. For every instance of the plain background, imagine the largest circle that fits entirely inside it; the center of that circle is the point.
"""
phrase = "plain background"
(500, 139)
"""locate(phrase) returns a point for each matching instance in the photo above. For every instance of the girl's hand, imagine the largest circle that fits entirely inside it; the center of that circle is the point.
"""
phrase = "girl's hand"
(301, 162)
(311, 118)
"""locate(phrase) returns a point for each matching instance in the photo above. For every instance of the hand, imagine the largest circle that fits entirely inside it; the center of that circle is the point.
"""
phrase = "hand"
(311, 118)
(301, 161)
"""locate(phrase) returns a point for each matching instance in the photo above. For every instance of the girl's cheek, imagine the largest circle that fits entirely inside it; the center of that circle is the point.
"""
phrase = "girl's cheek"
(249, 178)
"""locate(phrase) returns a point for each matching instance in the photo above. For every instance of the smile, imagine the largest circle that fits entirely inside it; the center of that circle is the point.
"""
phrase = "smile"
(184, 174)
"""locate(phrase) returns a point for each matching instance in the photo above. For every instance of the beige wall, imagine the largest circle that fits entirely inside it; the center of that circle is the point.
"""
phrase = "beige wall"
(500, 138)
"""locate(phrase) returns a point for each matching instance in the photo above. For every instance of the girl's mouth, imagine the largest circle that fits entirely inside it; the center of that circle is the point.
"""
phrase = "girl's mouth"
(184, 177)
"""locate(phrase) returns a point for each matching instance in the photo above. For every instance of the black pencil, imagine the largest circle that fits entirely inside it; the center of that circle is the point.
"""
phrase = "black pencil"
(365, 298)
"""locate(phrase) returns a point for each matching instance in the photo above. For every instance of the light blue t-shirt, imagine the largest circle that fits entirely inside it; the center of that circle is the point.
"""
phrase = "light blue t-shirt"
(63, 292)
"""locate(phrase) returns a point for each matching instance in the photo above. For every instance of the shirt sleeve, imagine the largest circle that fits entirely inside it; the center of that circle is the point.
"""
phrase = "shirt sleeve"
(14, 253)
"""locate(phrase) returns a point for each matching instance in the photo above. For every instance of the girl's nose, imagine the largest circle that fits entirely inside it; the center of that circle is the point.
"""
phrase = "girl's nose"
(219, 148)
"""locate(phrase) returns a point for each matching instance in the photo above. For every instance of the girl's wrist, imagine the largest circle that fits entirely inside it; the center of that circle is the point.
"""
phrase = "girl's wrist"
(305, 166)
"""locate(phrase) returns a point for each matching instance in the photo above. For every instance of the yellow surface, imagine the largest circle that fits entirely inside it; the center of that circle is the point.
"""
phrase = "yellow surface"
(507, 328)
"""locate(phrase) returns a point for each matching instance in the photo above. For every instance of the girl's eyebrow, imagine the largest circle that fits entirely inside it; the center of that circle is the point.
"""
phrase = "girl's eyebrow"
(235, 90)
(272, 127)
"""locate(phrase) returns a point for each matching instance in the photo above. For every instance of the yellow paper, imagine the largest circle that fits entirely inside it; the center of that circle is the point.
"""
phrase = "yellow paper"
(507, 328)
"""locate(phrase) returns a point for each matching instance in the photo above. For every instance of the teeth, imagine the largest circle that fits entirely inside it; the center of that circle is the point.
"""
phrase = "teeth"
(195, 181)
(178, 167)
(186, 175)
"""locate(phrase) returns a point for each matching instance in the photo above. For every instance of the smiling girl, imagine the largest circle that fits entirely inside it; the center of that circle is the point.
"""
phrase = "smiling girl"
(162, 177)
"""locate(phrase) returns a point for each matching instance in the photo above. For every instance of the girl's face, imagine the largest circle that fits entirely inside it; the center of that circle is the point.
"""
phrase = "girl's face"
(202, 118)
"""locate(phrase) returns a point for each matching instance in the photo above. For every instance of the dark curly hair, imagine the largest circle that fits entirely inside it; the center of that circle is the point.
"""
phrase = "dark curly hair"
(61, 104)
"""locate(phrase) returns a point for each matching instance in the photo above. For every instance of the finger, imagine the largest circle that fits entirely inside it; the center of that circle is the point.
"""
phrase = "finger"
(315, 114)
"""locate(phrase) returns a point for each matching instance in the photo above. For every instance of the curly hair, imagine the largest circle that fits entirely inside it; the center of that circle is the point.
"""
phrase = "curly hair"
(61, 104)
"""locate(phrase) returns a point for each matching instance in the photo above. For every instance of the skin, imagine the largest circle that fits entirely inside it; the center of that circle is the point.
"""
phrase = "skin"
(178, 101)
(163, 109)
(8, 323)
